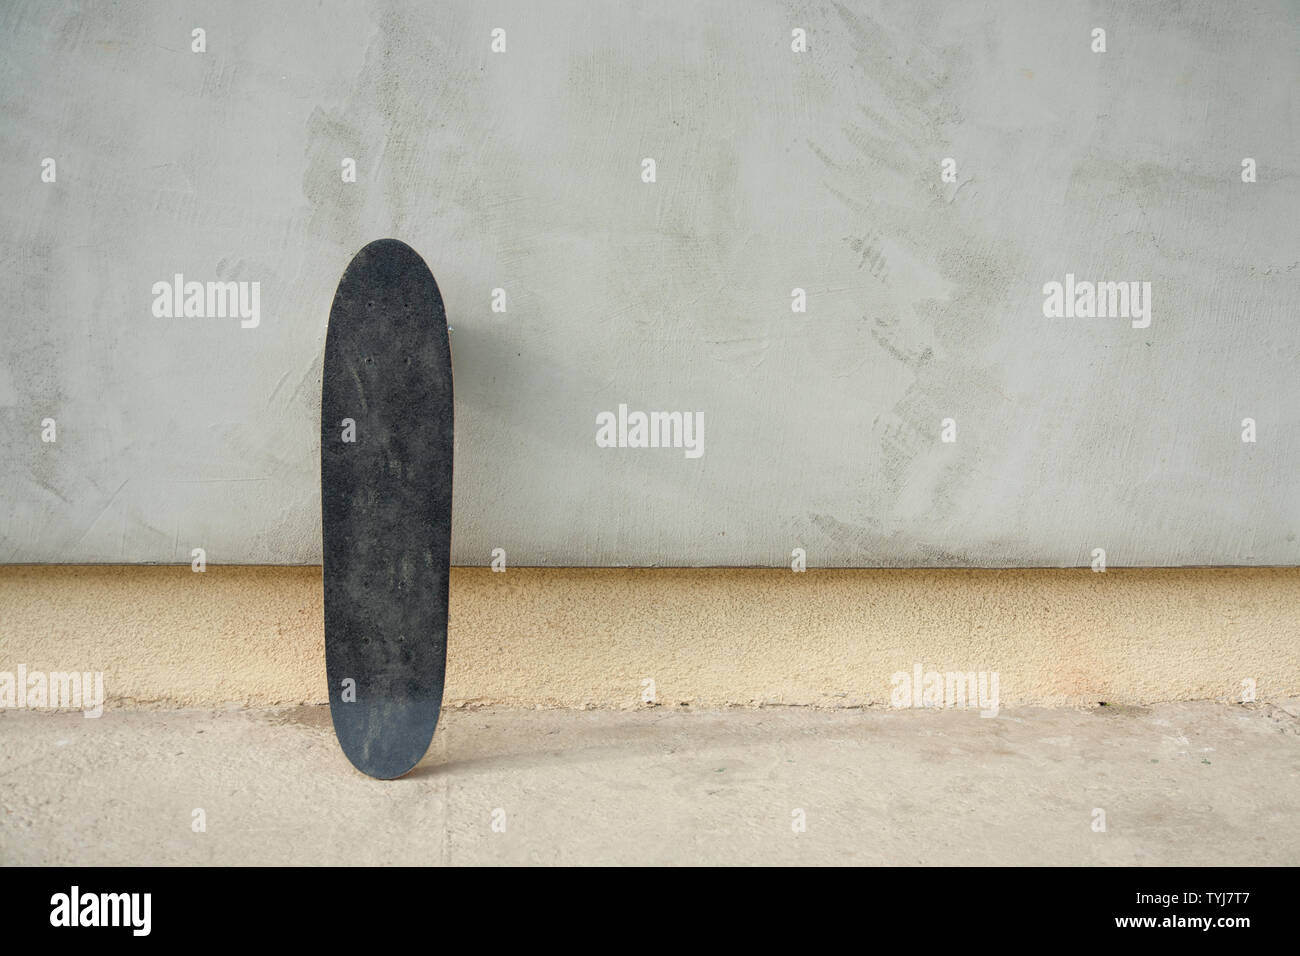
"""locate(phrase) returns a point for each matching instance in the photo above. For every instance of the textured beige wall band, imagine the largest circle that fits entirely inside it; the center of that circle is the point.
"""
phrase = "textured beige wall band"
(589, 637)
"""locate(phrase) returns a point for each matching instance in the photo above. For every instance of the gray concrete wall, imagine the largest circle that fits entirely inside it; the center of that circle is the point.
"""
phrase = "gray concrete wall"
(776, 170)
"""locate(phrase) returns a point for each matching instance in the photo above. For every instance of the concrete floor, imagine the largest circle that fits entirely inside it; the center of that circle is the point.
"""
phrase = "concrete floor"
(1185, 783)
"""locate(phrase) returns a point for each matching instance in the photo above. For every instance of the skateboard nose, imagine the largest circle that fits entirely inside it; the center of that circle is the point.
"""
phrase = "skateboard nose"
(390, 258)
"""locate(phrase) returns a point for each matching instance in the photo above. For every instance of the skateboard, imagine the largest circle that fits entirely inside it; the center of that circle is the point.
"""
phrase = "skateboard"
(385, 460)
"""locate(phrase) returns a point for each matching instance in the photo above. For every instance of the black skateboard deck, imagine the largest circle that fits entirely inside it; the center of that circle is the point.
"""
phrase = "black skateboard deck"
(385, 461)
